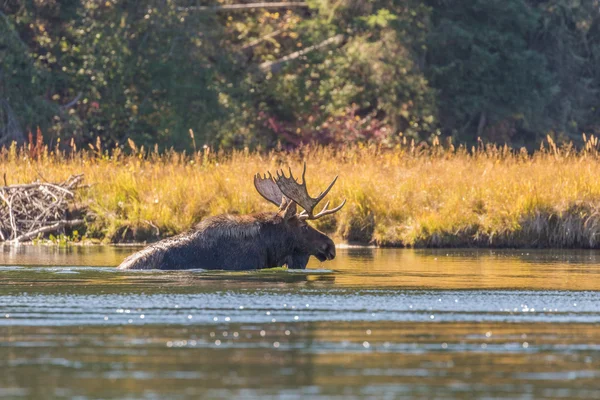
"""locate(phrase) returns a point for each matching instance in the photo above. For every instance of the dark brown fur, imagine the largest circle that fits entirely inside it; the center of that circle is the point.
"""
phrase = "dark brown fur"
(230, 242)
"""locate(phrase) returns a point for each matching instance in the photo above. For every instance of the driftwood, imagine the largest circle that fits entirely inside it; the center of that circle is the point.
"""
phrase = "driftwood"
(29, 210)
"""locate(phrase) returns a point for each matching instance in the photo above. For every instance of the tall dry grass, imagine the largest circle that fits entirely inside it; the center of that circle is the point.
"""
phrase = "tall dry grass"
(406, 196)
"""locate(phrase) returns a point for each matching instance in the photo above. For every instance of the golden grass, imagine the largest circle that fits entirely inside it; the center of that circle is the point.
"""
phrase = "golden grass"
(405, 196)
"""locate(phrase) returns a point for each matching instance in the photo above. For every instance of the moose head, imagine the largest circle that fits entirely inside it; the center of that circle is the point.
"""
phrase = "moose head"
(287, 193)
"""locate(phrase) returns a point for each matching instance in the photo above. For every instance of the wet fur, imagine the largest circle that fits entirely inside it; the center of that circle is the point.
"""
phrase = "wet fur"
(231, 242)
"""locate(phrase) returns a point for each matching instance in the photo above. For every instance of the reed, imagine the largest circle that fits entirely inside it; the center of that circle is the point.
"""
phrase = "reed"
(409, 195)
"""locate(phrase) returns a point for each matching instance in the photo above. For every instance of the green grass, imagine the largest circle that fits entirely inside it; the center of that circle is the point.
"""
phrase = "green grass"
(421, 196)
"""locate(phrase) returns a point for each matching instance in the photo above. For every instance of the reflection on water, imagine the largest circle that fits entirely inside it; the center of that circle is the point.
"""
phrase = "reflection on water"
(354, 267)
(465, 269)
(99, 256)
(374, 323)
(358, 360)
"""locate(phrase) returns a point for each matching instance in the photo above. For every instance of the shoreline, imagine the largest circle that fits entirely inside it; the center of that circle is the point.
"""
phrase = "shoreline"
(140, 245)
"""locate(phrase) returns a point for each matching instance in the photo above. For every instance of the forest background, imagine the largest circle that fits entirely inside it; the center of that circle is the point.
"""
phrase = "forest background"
(475, 122)
(326, 71)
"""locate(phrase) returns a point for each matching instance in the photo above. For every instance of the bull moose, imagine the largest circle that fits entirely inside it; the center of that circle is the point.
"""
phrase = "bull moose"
(245, 242)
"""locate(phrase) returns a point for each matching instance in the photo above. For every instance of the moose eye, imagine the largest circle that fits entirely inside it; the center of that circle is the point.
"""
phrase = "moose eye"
(304, 228)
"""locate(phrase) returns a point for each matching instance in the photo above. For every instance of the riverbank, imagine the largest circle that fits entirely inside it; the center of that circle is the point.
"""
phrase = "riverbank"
(415, 196)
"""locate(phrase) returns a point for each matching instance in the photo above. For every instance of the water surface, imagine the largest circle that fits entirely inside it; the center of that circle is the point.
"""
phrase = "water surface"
(374, 323)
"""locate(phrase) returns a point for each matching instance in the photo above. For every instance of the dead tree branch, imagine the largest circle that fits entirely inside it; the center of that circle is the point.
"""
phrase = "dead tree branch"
(258, 41)
(50, 228)
(29, 210)
(277, 65)
(72, 102)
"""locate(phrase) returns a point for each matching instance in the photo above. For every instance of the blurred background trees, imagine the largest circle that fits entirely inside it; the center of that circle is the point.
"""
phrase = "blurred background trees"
(327, 71)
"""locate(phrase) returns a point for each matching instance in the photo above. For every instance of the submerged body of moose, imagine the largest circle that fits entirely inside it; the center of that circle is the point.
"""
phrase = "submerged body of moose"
(263, 240)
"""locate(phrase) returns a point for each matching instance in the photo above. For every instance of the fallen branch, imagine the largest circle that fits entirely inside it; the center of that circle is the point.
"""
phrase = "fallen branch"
(50, 228)
(11, 217)
(28, 210)
(275, 66)
(258, 41)
(72, 102)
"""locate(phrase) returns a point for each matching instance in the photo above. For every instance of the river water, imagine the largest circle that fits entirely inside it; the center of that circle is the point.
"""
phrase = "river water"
(374, 323)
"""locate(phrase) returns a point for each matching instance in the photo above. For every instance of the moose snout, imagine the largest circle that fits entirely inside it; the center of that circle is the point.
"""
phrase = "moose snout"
(329, 250)
(325, 251)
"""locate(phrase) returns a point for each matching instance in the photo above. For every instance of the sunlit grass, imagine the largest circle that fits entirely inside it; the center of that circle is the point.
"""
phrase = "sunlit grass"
(405, 196)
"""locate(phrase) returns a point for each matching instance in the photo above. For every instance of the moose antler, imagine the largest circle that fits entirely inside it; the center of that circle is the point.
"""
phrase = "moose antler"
(268, 189)
(297, 192)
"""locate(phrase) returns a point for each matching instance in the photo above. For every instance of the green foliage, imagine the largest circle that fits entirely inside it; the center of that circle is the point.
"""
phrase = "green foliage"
(376, 72)
(21, 87)
(489, 79)
(504, 70)
(61, 240)
(143, 71)
(569, 37)
(381, 19)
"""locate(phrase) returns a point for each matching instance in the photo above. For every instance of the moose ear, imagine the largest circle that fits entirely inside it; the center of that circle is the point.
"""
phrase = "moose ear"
(287, 209)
